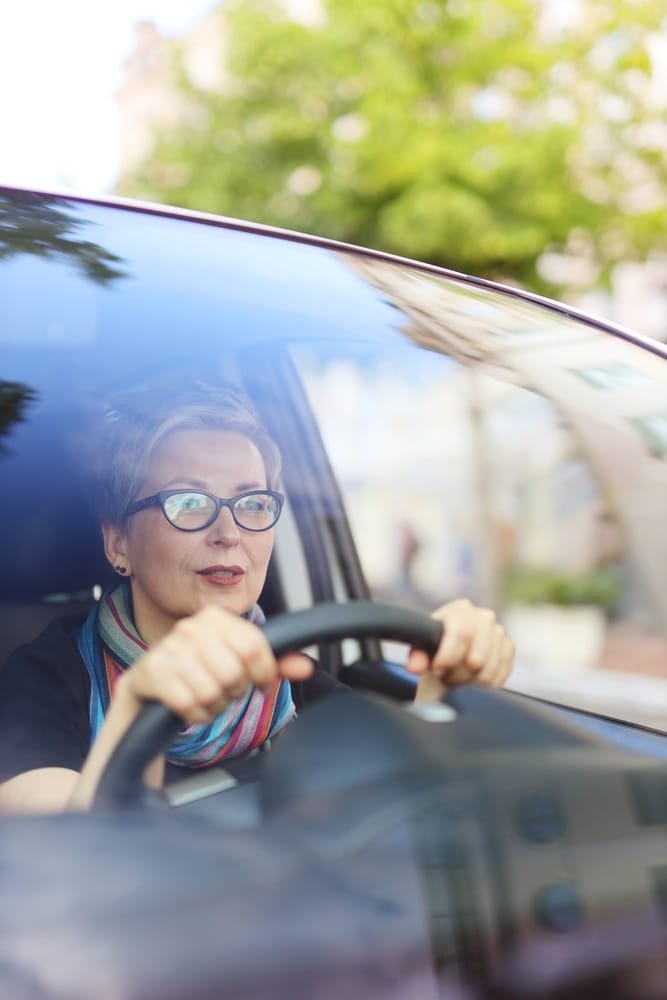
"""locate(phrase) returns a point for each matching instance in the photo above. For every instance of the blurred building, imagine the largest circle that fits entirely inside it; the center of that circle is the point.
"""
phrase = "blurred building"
(152, 96)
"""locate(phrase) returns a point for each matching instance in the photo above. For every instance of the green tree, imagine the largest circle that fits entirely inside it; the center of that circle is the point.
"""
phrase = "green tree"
(470, 133)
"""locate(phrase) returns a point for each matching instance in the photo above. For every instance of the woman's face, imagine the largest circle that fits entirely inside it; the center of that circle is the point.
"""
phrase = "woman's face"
(174, 573)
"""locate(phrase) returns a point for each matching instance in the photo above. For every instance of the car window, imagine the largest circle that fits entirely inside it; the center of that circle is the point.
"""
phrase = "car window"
(512, 462)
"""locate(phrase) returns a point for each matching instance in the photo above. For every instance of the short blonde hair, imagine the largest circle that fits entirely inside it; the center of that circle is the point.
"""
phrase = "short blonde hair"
(139, 419)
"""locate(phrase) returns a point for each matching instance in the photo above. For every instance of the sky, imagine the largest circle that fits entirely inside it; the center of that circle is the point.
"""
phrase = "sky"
(60, 68)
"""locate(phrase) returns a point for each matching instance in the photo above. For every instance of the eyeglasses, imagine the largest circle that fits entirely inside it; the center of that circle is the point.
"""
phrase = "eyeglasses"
(192, 510)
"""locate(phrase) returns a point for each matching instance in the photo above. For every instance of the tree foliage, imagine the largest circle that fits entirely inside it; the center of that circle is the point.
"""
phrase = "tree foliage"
(42, 226)
(470, 133)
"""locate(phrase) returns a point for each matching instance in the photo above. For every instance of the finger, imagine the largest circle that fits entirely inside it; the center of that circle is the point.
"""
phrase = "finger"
(207, 688)
(491, 669)
(153, 678)
(233, 649)
(458, 619)
(485, 643)
(222, 663)
(499, 663)
(508, 651)
(457, 634)
(418, 661)
(295, 666)
(208, 666)
(459, 675)
(249, 651)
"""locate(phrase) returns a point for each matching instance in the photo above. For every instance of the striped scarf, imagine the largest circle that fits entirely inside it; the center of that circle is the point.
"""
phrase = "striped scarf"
(109, 643)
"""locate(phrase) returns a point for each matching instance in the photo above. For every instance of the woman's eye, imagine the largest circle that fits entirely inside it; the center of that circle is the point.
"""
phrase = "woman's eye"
(188, 503)
(253, 505)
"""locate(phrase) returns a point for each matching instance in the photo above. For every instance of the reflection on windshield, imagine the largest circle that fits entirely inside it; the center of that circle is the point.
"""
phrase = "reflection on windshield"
(458, 482)
(14, 399)
(570, 364)
(38, 225)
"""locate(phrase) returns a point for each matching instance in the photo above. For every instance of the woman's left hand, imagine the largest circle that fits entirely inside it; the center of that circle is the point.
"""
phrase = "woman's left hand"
(474, 648)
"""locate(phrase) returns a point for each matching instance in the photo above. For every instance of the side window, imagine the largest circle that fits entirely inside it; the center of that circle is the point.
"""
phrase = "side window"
(459, 483)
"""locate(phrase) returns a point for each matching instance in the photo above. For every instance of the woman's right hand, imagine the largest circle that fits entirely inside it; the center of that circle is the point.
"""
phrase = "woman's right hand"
(204, 662)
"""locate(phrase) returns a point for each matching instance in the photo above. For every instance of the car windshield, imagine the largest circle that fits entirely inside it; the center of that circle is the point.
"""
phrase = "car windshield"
(440, 437)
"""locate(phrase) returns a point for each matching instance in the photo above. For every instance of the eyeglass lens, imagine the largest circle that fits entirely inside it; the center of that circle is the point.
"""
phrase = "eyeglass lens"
(191, 511)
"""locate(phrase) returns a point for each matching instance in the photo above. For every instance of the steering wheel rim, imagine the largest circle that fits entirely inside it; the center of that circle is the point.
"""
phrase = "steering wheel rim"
(121, 783)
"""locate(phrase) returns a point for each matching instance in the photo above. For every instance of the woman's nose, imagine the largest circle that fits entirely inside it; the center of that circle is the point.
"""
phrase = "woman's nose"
(224, 530)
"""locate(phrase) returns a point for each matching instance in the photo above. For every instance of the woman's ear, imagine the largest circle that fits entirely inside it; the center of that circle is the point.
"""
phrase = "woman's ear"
(116, 548)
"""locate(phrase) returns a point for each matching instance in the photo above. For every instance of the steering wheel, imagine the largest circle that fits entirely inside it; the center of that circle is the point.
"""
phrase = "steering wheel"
(121, 783)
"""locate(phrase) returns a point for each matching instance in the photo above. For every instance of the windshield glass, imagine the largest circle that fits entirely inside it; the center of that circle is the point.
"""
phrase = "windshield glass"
(439, 439)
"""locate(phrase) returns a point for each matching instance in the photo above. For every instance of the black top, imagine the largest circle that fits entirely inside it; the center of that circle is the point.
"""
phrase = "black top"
(44, 702)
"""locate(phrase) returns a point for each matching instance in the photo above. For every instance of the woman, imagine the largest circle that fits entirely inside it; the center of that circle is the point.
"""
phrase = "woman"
(188, 502)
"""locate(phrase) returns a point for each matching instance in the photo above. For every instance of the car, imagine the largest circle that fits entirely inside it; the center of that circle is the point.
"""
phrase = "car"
(442, 436)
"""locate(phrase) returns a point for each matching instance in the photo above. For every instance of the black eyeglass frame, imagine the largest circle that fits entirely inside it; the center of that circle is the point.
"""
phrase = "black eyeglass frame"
(159, 500)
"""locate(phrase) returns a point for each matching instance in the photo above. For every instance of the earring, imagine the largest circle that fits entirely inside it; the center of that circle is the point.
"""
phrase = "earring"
(121, 569)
